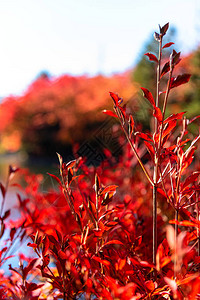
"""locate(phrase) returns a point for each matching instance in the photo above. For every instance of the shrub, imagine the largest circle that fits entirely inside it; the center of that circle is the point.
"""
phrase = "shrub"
(92, 236)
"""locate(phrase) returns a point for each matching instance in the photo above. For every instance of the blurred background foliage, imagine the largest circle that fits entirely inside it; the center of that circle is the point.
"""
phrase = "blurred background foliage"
(56, 113)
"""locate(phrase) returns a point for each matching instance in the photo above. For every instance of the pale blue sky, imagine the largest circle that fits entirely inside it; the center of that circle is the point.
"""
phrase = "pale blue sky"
(84, 36)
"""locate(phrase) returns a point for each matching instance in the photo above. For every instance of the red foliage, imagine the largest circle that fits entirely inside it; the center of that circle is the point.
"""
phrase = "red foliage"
(55, 111)
(92, 235)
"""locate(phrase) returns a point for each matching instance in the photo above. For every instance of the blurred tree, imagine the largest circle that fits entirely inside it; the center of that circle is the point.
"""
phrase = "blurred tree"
(192, 95)
(55, 113)
(44, 74)
(187, 97)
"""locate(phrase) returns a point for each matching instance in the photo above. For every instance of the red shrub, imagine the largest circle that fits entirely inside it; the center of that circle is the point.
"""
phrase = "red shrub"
(92, 236)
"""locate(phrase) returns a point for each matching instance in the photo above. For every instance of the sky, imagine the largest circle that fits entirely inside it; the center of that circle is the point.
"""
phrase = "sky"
(84, 36)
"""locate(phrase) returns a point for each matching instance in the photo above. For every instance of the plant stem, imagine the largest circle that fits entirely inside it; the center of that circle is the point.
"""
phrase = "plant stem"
(198, 234)
(175, 243)
(167, 94)
(163, 116)
(64, 291)
(132, 147)
(155, 242)
(96, 223)
(157, 162)
(158, 82)
(155, 179)
(71, 205)
(97, 210)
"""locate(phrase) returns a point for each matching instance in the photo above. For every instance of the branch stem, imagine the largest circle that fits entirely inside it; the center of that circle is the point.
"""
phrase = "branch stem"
(155, 175)
(175, 243)
(155, 241)
(132, 146)
(198, 233)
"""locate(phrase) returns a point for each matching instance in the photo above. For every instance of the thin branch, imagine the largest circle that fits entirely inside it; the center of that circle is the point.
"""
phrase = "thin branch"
(132, 146)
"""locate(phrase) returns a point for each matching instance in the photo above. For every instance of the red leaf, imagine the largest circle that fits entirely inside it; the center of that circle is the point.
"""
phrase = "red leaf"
(150, 149)
(156, 36)
(169, 128)
(60, 160)
(123, 113)
(46, 260)
(70, 177)
(102, 261)
(62, 254)
(148, 95)
(110, 188)
(56, 178)
(164, 29)
(165, 261)
(184, 142)
(33, 245)
(183, 223)
(101, 226)
(70, 164)
(159, 190)
(195, 286)
(3, 190)
(150, 285)
(193, 177)
(97, 183)
(158, 114)
(121, 263)
(92, 209)
(187, 223)
(59, 235)
(176, 57)
(146, 264)
(167, 45)
(110, 113)
(179, 80)
(108, 198)
(77, 238)
(6, 214)
(111, 224)
(8, 257)
(30, 266)
(174, 117)
(112, 242)
(197, 259)
(165, 69)
(32, 287)
(12, 233)
(45, 245)
(2, 229)
(53, 240)
(143, 136)
(151, 57)
(97, 232)
(117, 100)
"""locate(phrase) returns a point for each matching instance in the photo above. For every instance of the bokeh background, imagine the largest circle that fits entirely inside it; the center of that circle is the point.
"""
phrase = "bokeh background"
(59, 60)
